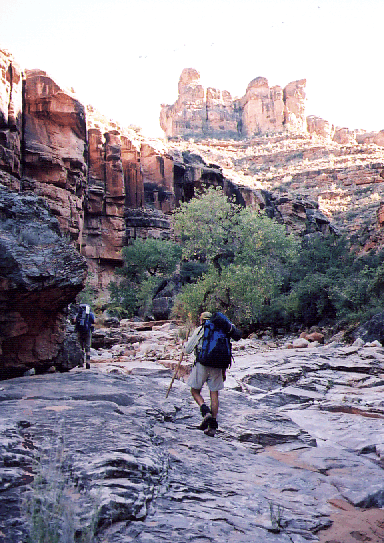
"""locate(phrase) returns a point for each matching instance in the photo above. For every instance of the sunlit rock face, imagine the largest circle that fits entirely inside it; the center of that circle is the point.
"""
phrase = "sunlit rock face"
(129, 190)
(319, 126)
(344, 136)
(294, 106)
(262, 108)
(104, 228)
(54, 161)
(200, 111)
(211, 112)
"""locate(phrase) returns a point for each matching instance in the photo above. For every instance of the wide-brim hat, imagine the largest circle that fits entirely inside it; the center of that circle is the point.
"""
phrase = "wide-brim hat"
(206, 315)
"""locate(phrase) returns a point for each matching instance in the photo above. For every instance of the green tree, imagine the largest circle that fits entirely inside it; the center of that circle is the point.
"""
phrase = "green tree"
(146, 264)
(246, 253)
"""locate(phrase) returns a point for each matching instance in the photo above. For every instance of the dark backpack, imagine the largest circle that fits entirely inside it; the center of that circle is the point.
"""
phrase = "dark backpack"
(83, 320)
(216, 348)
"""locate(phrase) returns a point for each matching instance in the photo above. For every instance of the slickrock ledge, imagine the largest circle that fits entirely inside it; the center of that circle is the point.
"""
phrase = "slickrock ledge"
(298, 456)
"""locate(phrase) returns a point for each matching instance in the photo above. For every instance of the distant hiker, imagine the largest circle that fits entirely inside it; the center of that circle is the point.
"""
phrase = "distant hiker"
(212, 345)
(84, 327)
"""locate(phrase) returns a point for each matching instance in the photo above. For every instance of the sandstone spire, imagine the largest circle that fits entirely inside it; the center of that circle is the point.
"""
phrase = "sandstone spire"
(200, 112)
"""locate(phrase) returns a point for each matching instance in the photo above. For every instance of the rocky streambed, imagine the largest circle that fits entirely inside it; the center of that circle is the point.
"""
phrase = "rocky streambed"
(298, 457)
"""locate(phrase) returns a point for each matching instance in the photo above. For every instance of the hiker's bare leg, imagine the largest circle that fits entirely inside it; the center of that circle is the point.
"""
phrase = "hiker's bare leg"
(214, 402)
(197, 396)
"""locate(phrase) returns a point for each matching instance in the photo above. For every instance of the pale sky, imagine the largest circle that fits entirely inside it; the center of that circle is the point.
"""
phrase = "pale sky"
(125, 57)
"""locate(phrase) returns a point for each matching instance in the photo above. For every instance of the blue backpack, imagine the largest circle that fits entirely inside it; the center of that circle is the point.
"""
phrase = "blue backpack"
(216, 348)
(84, 320)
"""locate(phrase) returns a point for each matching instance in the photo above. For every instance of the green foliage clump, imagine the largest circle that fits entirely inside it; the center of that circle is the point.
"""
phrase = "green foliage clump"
(146, 263)
(329, 282)
(245, 253)
(241, 262)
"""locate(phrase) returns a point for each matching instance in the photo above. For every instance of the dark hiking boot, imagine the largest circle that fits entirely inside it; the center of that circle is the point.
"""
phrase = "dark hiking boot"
(87, 365)
(204, 410)
(206, 414)
(204, 425)
(212, 427)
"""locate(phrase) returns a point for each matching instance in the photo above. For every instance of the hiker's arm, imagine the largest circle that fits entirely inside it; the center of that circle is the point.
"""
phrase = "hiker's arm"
(92, 315)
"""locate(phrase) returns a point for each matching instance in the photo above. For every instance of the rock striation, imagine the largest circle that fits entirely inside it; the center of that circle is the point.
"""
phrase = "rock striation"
(298, 455)
(40, 274)
(200, 112)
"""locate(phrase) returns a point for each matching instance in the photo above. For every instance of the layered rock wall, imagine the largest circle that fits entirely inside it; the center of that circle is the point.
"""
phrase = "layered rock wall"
(211, 112)
(54, 157)
(105, 184)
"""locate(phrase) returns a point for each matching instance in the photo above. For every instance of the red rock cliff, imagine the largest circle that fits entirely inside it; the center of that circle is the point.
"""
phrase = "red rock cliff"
(105, 184)
(211, 112)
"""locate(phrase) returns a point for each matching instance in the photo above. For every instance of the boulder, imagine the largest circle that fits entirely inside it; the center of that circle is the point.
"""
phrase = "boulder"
(40, 274)
(313, 337)
(300, 343)
(372, 330)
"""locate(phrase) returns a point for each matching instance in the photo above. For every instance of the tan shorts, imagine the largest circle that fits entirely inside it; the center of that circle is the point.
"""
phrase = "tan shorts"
(203, 374)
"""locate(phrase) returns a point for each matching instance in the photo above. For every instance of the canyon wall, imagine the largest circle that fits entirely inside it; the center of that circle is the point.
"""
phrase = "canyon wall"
(10, 120)
(104, 183)
(200, 112)
(107, 184)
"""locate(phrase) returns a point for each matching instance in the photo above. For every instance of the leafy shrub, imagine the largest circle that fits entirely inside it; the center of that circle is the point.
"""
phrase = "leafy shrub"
(245, 253)
(329, 282)
(146, 263)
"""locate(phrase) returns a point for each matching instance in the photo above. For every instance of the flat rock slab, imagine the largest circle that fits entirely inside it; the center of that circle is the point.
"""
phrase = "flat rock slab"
(136, 466)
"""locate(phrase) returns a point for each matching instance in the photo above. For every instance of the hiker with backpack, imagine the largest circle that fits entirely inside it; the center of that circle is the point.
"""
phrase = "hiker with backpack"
(84, 322)
(212, 344)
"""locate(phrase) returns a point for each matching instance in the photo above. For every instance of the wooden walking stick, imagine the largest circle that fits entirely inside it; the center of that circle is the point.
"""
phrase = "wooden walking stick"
(178, 366)
(175, 373)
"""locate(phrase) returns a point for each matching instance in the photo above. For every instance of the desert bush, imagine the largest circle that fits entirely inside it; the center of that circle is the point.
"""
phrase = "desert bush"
(50, 506)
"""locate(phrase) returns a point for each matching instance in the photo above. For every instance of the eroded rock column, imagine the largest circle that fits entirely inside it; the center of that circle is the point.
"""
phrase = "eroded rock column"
(11, 88)
(55, 149)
